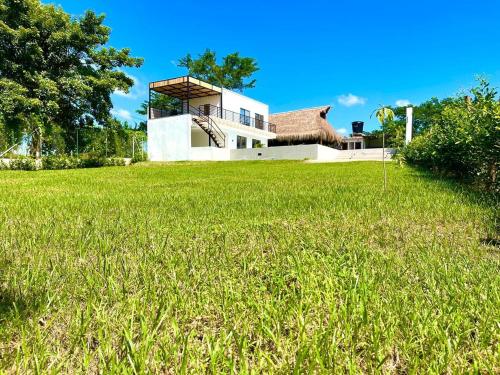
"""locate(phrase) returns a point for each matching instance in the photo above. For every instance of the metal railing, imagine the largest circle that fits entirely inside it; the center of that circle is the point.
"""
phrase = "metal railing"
(211, 125)
(214, 111)
(226, 114)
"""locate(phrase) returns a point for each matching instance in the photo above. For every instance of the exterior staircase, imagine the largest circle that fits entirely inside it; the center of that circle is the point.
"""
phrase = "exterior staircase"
(208, 125)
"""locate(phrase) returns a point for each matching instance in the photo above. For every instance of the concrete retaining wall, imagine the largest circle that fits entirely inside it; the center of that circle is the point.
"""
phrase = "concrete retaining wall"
(298, 152)
(209, 153)
(315, 153)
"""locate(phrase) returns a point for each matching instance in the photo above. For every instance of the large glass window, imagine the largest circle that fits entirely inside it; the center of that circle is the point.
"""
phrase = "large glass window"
(241, 142)
(259, 121)
(244, 116)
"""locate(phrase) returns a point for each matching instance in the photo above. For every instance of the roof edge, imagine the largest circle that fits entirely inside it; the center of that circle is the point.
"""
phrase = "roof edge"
(327, 107)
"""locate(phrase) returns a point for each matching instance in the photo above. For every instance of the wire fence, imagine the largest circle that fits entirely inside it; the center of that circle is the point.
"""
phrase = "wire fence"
(103, 142)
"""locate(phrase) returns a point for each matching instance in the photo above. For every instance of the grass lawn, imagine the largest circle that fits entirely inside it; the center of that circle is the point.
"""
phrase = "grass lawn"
(246, 267)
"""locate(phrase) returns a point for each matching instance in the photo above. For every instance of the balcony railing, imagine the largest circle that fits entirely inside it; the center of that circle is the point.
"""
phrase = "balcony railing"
(214, 111)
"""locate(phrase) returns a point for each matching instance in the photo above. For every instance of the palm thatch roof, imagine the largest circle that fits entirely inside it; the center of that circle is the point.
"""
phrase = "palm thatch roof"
(304, 126)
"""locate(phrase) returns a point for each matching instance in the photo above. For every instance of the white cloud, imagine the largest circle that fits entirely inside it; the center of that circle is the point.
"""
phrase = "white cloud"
(342, 131)
(122, 113)
(402, 103)
(350, 100)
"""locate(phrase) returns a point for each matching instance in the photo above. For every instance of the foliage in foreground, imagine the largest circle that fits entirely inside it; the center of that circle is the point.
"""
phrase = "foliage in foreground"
(56, 74)
(464, 140)
(246, 266)
(63, 162)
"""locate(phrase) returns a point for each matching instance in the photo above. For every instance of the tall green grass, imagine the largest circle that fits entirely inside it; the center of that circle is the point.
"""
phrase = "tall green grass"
(246, 267)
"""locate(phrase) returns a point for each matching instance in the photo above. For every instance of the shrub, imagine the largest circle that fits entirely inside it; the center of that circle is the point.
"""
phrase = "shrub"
(113, 162)
(464, 140)
(23, 164)
(60, 162)
(91, 161)
(138, 157)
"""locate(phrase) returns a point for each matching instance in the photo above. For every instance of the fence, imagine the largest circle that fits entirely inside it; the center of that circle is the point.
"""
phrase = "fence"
(104, 142)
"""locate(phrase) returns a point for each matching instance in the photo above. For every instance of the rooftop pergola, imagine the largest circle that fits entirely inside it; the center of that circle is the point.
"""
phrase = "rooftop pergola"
(184, 88)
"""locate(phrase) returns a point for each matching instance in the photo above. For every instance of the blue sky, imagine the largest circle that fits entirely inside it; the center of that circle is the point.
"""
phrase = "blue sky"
(353, 55)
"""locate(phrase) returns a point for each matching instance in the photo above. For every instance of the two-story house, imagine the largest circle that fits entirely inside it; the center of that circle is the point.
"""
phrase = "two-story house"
(204, 122)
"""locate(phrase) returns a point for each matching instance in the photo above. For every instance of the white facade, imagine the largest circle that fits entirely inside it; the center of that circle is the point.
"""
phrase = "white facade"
(242, 120)
(177, 138)
(234, 102)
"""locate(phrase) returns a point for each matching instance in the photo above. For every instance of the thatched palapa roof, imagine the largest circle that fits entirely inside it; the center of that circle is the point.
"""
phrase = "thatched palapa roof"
(304, 126)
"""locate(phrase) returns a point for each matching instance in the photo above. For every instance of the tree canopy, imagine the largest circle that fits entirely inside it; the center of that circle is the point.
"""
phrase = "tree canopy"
(55, 71)
(233, 73)
(424, 115)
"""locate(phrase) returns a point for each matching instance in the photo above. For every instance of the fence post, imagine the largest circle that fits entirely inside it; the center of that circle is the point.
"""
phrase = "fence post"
(133, 146)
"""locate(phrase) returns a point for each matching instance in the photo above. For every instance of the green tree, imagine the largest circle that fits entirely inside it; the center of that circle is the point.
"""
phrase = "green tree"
(464, 140)
(55, 73)
(232, 74)
(424, 115)
(158, 101)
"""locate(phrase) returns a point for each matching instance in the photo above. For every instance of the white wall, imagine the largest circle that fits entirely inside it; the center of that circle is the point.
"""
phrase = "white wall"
(169, 138)
(209, 153)
(231, 139)
(232, 129)
(199, 138)
(213, 100)
(233, 101)
(311, 152)
(297, 152)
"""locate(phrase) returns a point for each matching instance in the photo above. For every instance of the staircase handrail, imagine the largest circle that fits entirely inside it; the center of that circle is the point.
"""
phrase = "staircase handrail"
(211, 123)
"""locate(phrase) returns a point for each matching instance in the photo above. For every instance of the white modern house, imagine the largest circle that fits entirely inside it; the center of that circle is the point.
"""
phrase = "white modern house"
(197, 121)
(204, 122)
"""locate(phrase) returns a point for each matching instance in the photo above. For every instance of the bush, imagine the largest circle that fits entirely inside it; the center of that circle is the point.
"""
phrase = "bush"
(464, 140)
(23, 164)
(91, 161)
(60, 162)
(114, 162)
(138, 157)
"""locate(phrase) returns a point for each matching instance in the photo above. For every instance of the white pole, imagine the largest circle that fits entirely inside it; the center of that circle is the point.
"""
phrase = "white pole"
(409, 124)
(133, 146)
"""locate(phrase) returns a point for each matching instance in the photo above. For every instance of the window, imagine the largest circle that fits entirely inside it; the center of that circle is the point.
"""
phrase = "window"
(241, 142)
(259, 121)
(206, 109)
(244, 116)
(256, 143)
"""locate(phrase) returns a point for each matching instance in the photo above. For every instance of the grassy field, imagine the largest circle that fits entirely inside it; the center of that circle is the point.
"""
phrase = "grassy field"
(246, 267)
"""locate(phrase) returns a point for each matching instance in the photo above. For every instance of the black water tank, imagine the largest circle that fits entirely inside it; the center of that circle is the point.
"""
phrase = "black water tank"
(357, 127)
